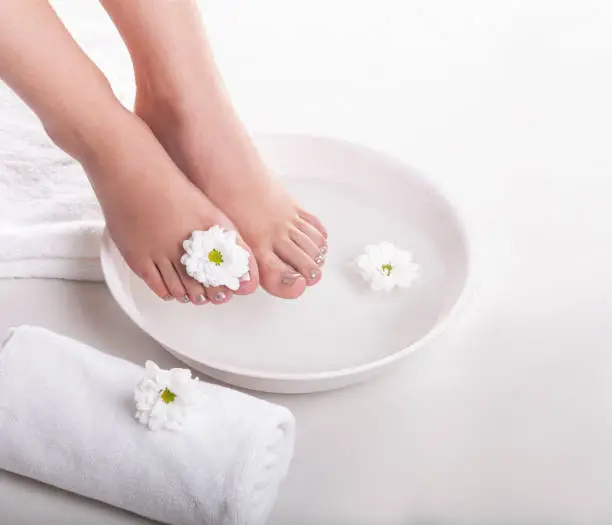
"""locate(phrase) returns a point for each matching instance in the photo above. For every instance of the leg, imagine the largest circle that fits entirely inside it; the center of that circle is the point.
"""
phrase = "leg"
(149, 206)
(181, 97)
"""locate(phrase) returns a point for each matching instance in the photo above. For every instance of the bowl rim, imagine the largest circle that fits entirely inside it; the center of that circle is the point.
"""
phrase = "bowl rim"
(358, 370)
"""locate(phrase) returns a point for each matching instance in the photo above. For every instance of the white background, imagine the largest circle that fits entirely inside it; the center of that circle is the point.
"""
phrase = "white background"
(507, 105)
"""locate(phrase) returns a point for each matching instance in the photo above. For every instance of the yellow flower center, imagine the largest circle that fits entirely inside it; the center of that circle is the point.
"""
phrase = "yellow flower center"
(215, 257)
(167, 396)
(386, 268)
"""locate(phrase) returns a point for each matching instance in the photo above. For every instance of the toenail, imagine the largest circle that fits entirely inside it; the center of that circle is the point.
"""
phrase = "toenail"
(324, 249)
(219, 296)
(290, 278)
(320, 259)
(246, 277)
(184, 299)
(314, 274)
(168, 298)
(200, 299)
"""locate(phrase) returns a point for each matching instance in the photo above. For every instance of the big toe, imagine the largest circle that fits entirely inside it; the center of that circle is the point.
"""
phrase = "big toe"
(278, 278)
(250, 281)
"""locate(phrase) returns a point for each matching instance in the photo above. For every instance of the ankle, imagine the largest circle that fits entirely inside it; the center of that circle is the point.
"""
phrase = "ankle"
(163, 108)
(80, 133)
(157, 109)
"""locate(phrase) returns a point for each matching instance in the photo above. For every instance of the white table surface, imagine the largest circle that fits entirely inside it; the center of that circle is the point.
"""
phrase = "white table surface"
(507, 417)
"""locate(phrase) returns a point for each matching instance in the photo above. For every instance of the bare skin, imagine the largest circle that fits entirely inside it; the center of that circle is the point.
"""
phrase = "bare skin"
(181, 97)
(149, 205)
(185, 124)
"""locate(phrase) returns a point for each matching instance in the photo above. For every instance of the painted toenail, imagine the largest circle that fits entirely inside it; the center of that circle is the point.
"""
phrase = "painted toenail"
(184, 299)
(290, 278)
(168, 298)
(200, 299)
(220, 296)
(314, 274)
(324, 249)
(320, 259)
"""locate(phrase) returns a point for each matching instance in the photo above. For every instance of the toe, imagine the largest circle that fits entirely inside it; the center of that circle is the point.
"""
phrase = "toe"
(250, 282)
(218, 294)
(308, 246)
(311, 232)
(294, 256)
(172, 281)
(277, 278)
(150, 274)
(194, 289)
(313, 221)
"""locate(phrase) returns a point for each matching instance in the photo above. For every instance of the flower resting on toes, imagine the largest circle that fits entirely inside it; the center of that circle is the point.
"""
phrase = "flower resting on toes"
(163, 397)
(214, 258)
(385, 266)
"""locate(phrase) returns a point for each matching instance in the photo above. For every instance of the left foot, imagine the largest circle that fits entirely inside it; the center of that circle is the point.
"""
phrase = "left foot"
(208, 143)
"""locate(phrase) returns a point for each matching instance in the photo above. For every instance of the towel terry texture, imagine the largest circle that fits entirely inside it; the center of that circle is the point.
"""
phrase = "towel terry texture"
(67, 419)
(50, 221)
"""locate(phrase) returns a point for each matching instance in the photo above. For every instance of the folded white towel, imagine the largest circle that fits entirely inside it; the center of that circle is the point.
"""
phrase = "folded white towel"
(76, 269)
(67, 419)
(50, 221)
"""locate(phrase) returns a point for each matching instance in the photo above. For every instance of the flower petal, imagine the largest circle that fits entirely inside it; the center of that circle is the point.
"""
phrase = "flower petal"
(385, 266)
(159, 412)
(231, 266)
(151, 369)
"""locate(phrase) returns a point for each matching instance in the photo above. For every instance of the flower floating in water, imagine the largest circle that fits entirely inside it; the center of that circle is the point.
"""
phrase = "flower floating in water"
(214, 258)
(385, 266)
(163, 397)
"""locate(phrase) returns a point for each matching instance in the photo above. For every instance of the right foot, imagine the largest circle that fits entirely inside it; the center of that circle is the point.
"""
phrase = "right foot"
(209, 145)
(151, 208)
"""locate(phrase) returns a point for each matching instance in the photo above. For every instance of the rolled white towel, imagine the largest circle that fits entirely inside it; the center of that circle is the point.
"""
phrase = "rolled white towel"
(67, 419)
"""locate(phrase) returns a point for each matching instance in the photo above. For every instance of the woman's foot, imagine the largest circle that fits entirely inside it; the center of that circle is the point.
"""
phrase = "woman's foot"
(181, 97)
(209, 144)
(151, 208)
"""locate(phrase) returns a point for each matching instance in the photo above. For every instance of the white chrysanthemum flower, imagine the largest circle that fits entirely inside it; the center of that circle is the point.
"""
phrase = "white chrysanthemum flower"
(214, 258)
(385, 266)
(163, 397)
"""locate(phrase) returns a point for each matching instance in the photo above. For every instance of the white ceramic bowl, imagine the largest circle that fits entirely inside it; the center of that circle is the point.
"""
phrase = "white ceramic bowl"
(339, 332)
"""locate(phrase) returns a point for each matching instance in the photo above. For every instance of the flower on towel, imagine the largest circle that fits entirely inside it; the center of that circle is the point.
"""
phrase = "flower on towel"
(214, 258)
(163, 397)
(385, 266)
